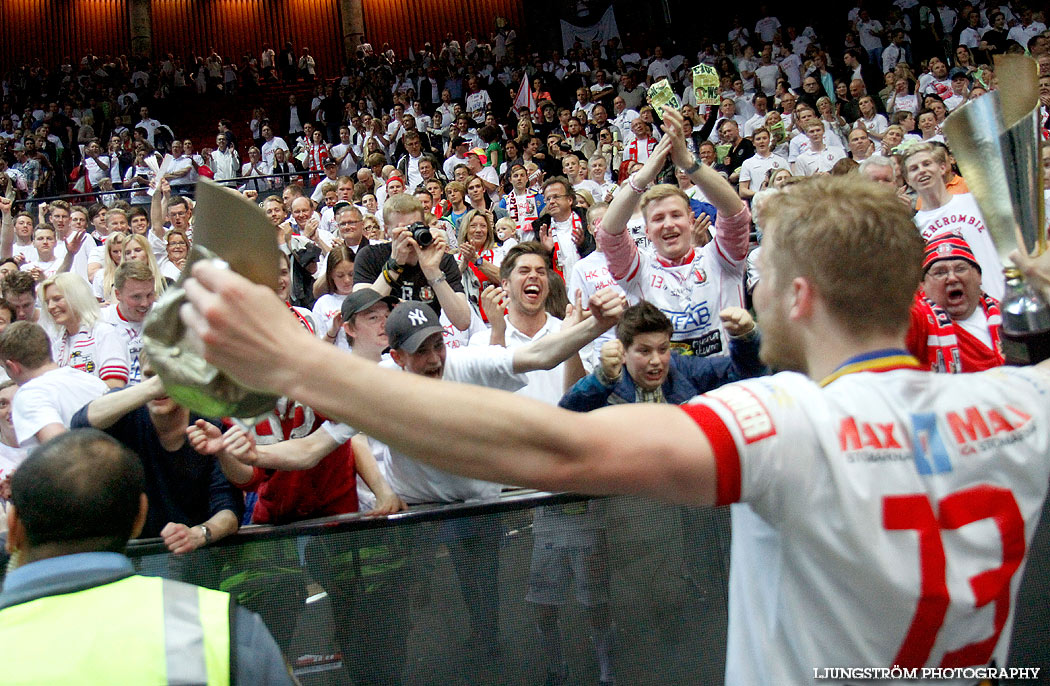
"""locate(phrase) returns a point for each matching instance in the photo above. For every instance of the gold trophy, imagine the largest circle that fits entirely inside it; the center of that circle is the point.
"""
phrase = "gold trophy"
(234, 231)
(995, 140)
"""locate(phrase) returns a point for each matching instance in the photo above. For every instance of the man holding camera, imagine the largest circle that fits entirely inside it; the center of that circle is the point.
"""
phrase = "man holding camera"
(410, 268)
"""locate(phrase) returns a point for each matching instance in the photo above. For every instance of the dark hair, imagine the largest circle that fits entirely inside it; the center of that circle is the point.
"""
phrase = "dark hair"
(557, 295)
(81, 488)
(523, 248)
(19, 282)
(488, 133)
(178, 200)
(339, 254)
(4, 305)
(569, 190)
(642, 318)
(95, 210)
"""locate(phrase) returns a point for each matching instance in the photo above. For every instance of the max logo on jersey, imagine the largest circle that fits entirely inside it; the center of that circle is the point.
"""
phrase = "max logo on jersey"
(751, 415)
(975, 429)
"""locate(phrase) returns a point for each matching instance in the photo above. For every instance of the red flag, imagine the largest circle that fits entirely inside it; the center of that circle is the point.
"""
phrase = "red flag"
(525, 98)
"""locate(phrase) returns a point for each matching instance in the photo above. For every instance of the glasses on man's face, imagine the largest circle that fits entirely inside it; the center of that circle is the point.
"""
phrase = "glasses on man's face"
(554, 198)
(350, 222)
(942, 272)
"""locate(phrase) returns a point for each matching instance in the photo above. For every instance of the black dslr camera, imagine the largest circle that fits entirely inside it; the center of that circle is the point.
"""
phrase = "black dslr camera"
(421, 234)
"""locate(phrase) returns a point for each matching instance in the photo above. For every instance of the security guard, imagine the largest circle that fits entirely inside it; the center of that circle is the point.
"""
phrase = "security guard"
(76, 613)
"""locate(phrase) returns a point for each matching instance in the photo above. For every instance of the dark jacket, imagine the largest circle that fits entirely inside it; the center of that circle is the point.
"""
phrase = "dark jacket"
(687, 378)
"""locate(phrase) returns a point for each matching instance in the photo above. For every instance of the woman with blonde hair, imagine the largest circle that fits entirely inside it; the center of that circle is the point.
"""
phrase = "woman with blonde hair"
(113, 254)
(479, 257)
(79, 338)
(138, 248)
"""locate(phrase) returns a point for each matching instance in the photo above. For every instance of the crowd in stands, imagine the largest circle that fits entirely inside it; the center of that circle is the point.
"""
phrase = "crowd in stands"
(429, 220)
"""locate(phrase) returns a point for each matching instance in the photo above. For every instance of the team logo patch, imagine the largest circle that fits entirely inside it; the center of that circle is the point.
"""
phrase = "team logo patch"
(751, 416)
(701, 275)
(417, 317)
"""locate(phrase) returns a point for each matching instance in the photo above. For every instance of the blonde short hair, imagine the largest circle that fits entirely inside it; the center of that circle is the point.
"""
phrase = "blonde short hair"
(855, 242)
(659, 192)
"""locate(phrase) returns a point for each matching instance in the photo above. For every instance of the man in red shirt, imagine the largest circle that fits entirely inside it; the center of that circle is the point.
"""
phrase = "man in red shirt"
(954, 324)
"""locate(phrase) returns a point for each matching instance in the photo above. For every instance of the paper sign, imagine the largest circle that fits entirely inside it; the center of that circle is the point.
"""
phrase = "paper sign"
(706, 84)
(660, 94)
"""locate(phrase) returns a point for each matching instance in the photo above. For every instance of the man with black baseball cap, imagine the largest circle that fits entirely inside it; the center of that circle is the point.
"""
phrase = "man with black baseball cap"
(416, 339)
(365, 315)
(459, 147)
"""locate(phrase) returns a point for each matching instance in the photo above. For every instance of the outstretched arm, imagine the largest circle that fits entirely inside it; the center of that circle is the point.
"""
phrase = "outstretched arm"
(654, 450)
(104, 411)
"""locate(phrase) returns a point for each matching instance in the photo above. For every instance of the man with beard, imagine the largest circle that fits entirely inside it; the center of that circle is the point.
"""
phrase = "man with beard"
(854, 477)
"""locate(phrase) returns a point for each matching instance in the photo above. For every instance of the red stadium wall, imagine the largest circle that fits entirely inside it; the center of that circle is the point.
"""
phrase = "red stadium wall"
(410, 23)
(235, 27)
(51, 30)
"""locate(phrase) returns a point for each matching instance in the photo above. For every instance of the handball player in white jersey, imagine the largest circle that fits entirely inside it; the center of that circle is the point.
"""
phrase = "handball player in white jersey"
(893, 507)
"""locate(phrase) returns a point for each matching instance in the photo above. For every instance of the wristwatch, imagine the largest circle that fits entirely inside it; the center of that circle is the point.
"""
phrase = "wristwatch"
(694, 168)
(207, 533)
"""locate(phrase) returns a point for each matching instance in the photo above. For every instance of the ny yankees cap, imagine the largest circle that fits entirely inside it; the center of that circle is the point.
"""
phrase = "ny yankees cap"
(411, 323)
(361, 300)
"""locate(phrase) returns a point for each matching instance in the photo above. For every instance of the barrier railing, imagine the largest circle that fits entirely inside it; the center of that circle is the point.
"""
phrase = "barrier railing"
(457, 593)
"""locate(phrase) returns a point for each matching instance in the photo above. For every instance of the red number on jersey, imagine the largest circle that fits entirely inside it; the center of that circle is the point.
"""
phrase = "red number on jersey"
(964, 507)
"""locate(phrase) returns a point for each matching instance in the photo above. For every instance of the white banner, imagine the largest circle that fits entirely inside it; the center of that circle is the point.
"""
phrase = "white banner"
(603, 30)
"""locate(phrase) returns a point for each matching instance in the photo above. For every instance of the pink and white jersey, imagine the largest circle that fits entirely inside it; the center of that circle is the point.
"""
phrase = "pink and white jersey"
(132, 333)
(885, 516)
(100, 351)
(691, 294)
(961, 215)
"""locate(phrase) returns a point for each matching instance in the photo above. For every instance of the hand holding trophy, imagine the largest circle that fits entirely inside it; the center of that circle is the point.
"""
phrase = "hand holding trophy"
(996, 141)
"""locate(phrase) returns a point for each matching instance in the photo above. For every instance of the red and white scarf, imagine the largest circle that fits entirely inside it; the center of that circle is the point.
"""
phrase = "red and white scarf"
(943, 341)
(525, 213)
(632, 149)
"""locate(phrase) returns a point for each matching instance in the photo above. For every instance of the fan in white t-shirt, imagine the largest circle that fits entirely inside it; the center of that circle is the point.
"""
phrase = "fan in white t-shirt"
(755, 168)
(48, 263)
(48, 395)
(817, 159)
(339, 283)
(925, 167)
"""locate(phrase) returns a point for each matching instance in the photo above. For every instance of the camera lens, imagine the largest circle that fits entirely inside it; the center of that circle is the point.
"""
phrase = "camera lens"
(423, 236)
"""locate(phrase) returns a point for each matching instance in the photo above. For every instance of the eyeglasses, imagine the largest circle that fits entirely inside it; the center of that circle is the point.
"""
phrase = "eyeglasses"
(554, 198)
(351, 222)
(941, 273)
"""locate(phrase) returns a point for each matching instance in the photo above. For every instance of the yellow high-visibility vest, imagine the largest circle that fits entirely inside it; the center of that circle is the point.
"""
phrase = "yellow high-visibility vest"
(138, 630)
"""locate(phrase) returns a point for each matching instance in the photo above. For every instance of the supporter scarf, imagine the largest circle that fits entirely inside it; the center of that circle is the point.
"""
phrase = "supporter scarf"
(486, 256)
(523, 215)
(556, 255)
(302, 320)
(942, 339)
(632, 149)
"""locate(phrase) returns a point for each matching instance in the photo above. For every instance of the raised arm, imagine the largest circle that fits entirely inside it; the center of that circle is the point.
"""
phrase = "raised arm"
(625, 202)
(158, 206)
(7, 229)
(654, 450)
